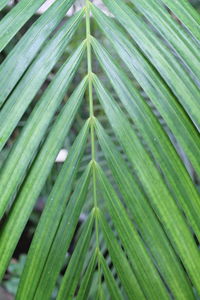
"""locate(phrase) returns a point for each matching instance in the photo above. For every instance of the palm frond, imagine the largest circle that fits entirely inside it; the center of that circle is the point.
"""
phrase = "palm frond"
(120, 94)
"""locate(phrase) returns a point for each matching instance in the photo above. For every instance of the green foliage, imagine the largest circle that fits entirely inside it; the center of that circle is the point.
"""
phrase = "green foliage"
(15, 269)
(120, 92)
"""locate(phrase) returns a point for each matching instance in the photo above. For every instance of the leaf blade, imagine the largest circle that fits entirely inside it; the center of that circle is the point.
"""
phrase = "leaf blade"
(146, 220)
(162, 59)
(171, 31)
(36, 178)
(3, 4)
(129, 281)
(187, 14)
(112, 285)
(32, 80)
(87, 279)
(16, 18)
(176, 228)
(67, 226)
(73, 271)
(51, 217)
(20, 57)
(154, 87)
(155, 137)
(25, 149)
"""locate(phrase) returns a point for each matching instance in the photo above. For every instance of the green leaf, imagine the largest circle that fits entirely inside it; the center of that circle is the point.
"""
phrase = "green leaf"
(146, 220)
(16, 18)
(120, 262)
(186, 14)
(145, 272)
(155, 88)
(172, 32)
(161, 57)
(32, 134)
(155, 137)
(74, 269)
(51, 217)
(87, 279)
(20, 57)
(110, 281)
(67, 226)
(167, 210)
(28, 194)
(31, 82)
(3, 4)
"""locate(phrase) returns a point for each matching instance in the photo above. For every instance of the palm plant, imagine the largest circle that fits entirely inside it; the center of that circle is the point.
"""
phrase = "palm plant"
(142, 207)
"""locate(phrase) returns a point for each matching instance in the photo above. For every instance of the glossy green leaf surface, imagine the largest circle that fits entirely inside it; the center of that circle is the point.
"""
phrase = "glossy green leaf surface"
(155, 187)
(17, 163)
(52, 215)
(16, 18)
(28, 46)
(154, 87)
(185, 13)
(74, 269)
(154, 135)
(172, 32)
(148, 278)
(38, 173)
(114, 289)
(87, 279)
(163, 60)
(66, 229)
(151, 231)
(122, 266)
(19, 100)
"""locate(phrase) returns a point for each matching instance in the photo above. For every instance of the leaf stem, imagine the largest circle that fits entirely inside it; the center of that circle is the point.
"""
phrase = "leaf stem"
(90, 92)
(92, 129)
